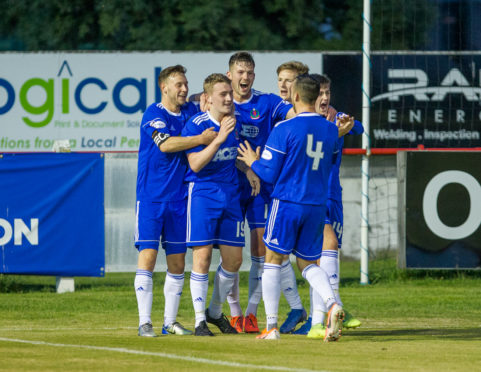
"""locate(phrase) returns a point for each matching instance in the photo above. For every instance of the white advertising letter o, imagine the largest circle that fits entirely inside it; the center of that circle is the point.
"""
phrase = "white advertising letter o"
(7, 235)
(430, 207)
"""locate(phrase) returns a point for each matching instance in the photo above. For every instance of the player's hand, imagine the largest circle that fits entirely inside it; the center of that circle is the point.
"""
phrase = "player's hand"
(331, 114)
(344, 124)
(254, 181)
(208, 135)
(227, 125)
(246, 154)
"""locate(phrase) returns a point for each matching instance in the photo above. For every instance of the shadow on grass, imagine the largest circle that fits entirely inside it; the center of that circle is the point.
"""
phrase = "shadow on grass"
(417, 334)
(31, 283)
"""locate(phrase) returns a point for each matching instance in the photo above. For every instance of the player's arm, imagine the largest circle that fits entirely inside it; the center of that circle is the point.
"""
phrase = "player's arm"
(167, 143)
(357, 128)
(344, 123)
(198, 160)
(267, 167)
(253, 179)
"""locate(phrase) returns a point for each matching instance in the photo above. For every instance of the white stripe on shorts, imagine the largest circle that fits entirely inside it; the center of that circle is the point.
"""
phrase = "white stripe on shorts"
(191, 187)
(136, 236)
(272, 219)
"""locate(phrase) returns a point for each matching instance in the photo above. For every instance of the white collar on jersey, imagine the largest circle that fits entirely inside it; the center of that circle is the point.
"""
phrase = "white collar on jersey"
(309, 114)
(170, 112)
(244, 102)
(212, 119)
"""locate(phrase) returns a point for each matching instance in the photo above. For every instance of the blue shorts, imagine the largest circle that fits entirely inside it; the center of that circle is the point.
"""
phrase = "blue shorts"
(335, 218)
(166, 219)
(295, 228)
(214, 215)
(255, 208)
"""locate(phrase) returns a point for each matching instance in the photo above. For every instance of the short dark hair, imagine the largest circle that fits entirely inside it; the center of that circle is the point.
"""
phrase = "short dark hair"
(307, 87)
(213, 79)
(322, 79)
(296, 66)
(169, 71)
(241, 57)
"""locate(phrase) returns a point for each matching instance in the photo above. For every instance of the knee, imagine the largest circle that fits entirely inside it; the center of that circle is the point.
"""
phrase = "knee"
(233, 264)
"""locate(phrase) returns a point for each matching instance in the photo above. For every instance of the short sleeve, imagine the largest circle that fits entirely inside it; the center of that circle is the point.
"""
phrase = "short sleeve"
(191, 129)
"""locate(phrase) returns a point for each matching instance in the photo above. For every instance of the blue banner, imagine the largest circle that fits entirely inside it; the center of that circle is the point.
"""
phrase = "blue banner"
(52, 214)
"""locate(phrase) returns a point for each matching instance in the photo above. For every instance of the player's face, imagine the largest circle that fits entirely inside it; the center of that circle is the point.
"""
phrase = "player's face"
(322, 102)
(176, 89)
(242, 76)
(221, 99)
(284, 82)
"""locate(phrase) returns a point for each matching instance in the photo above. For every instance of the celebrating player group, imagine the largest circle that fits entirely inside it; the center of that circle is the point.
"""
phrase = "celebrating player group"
(233, 154)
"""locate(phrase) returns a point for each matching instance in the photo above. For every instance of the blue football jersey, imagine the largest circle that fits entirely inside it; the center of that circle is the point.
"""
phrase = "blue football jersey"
(160, 175)
(258, 115)
(222, 166)
(335, 189)
(298, 157)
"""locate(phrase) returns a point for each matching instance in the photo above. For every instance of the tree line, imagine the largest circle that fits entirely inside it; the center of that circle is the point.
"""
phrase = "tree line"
(35, 25)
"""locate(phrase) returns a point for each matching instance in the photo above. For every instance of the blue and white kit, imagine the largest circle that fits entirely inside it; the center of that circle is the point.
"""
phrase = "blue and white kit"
(297, 160)
(161, 193)
(257, 117)
(214, 214)
(334, 213)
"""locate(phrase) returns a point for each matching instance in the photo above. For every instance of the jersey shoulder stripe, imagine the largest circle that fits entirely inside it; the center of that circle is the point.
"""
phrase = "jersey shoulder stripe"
(201, 118)
(281, 102)
(283, 122)
(276, 150)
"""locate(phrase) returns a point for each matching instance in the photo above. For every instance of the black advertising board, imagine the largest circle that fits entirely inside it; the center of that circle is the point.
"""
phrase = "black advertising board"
(416, 99)
(439, 209)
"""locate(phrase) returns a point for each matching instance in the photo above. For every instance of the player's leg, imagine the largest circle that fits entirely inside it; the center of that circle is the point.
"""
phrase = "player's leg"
(329, 261)
(280, 238)
(175, 249)
(319, 310)
(231, 239)
(223, 283)
(237, 319)
(149, 224)
(308, 249)
(258, 252)
(289, 289)
(203, 212)
(199, 285)
(143, 285)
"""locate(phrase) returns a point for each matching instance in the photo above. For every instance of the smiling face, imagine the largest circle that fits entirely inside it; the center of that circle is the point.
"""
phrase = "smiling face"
(220, 99)
(322, 103)
(174, 91)
(242, 77)
(284, 83)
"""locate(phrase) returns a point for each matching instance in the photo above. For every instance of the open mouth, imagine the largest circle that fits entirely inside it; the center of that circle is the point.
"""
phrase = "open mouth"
(244, 86)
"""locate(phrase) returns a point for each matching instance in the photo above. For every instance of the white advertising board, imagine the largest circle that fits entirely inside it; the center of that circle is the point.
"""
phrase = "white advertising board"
(96, 100)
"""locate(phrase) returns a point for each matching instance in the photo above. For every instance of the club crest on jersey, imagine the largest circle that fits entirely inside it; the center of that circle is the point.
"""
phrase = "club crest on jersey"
(254, 114)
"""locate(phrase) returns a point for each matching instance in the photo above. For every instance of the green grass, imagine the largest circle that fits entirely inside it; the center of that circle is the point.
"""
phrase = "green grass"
(412, 321)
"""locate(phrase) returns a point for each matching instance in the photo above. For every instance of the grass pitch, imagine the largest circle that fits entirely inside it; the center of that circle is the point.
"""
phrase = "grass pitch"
(412, 321)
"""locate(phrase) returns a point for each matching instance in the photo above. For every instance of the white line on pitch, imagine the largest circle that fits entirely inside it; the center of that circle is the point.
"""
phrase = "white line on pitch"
(162, 355)
(61, 328)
